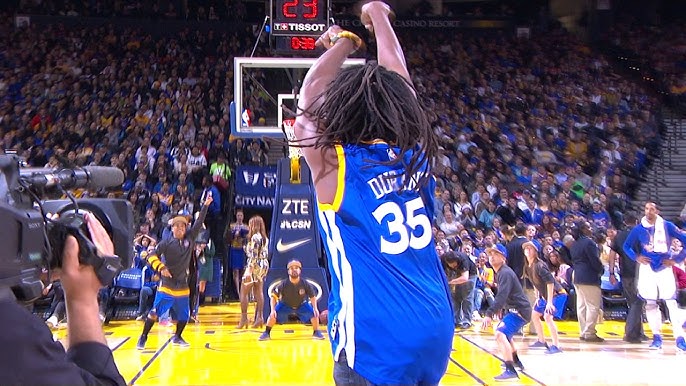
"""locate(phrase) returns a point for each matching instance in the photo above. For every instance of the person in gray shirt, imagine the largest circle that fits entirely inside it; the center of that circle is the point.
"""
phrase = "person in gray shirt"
(510, 297)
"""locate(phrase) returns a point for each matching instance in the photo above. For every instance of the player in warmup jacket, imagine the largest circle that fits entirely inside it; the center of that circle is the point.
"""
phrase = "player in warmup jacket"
(653, 237)
(173, 290)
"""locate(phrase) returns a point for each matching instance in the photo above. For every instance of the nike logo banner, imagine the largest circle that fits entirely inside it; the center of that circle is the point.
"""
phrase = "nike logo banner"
(285, 247)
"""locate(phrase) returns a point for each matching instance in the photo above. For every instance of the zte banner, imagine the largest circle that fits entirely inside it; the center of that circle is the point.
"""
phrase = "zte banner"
(294, 233)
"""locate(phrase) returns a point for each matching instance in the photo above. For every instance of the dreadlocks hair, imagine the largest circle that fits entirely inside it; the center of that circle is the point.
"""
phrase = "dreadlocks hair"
(369, 102)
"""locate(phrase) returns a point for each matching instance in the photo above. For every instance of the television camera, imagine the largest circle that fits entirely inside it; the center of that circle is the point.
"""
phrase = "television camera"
(34, 230)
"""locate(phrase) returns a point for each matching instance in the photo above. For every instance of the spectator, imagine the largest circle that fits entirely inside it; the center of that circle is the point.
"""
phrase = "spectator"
(293, 296)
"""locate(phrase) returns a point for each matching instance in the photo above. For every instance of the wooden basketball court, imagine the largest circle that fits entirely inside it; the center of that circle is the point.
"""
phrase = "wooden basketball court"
(220, 354)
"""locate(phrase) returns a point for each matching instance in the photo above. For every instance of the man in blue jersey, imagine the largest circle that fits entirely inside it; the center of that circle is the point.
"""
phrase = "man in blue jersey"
(369, 146)
(648, 243)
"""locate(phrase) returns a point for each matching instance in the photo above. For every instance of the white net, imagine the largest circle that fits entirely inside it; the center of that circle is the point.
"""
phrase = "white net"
(293, 151)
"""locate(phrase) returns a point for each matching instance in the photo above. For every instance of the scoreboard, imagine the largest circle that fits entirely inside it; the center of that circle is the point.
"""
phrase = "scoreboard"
(296, 24)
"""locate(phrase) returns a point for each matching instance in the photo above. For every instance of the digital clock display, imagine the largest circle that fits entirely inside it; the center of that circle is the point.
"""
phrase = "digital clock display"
(299, 17)
(295, 44)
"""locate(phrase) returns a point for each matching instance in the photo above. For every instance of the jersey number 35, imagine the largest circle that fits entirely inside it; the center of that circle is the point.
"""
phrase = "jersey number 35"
(413, 229)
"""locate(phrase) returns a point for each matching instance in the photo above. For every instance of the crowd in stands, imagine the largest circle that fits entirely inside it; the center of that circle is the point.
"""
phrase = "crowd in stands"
(212, 10)
(662, 49)
(538, 132)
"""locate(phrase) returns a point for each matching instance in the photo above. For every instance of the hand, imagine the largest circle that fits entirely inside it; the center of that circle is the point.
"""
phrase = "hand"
(643, 260)
(550, 308)
(165, 272)
(99, 237)
(80, 283)
(325, 39)
(613, 279)
(668, 263)
(208, 200)
(374, 7)
(486, 323)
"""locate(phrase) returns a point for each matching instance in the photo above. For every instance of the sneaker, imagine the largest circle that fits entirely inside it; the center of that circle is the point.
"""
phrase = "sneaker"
(165, 323)
(318, 335)
(633, 340)
(553, 350)
(657, 343)
(195, 319)
(141, 342)
(680, 345)
(518, 365)
(507, 375)
(476, 315)
(140, 318)
(178, 341)
(265, 336)
(594, 339)
(539, 344)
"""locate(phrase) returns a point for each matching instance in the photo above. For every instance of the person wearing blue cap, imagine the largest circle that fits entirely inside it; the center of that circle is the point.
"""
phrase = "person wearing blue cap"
(510, 297)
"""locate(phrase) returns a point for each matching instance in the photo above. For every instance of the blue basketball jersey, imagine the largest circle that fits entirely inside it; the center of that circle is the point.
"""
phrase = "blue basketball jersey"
(384, 267)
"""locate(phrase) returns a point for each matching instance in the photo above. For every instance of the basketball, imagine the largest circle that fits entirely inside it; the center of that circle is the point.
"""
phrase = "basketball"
(324, 317)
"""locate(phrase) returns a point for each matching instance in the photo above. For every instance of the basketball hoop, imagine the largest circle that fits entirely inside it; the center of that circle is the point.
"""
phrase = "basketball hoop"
(294, 151)
(288, 128)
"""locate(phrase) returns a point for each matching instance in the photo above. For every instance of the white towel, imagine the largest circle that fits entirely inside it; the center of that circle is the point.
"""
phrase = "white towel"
(660, 235)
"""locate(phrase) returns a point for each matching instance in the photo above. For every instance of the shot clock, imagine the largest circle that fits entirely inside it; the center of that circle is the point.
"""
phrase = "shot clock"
(296, 24)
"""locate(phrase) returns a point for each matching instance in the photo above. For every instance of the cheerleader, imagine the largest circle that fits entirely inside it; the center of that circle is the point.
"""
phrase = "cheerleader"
(256, 269)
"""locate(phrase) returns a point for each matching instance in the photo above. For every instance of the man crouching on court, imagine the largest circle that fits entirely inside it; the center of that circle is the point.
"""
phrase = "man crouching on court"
(291, 297)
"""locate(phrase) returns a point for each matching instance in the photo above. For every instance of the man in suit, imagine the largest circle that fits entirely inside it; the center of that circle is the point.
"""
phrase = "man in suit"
(586, 278)
(633, 329)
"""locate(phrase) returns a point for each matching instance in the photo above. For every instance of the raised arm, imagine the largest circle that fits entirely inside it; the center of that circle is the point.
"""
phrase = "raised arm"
(318, 78)
(376, 18)
(322, 161)
(197, 225)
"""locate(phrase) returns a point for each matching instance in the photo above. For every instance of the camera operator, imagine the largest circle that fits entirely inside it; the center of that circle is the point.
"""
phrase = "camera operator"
(29, 354)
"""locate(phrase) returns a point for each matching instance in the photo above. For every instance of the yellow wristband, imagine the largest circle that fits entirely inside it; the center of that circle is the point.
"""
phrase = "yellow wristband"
(357, 42)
